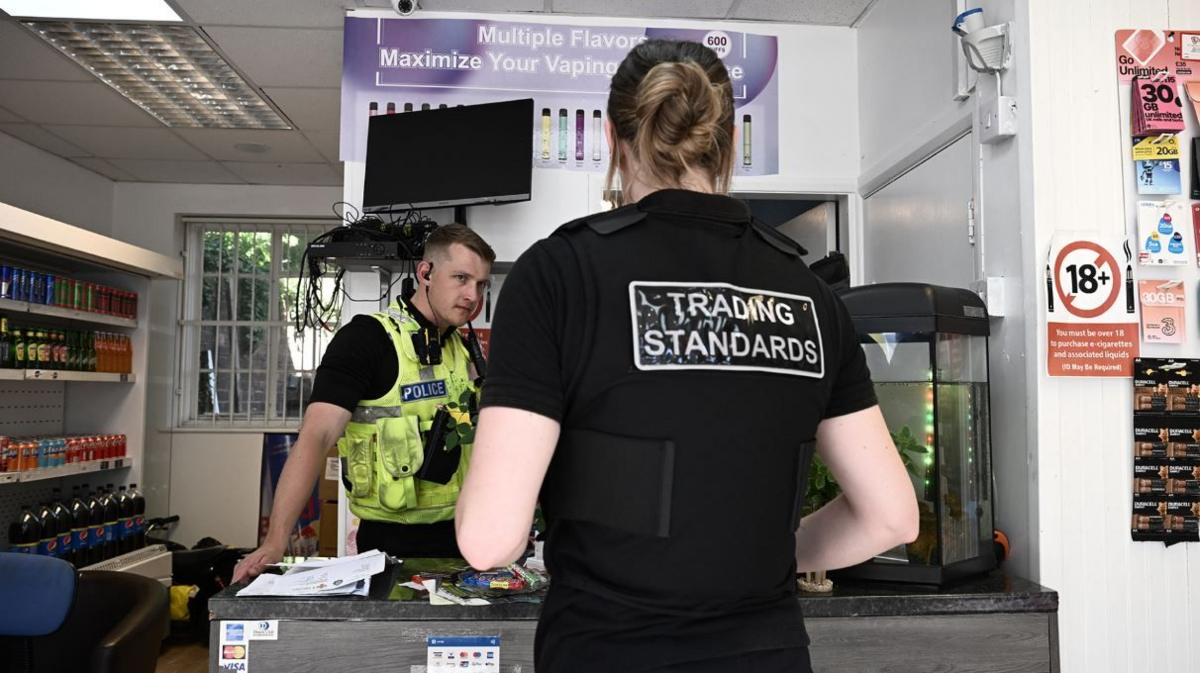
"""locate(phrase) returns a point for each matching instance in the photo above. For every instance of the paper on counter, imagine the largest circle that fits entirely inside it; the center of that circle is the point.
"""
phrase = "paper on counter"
(350, 575)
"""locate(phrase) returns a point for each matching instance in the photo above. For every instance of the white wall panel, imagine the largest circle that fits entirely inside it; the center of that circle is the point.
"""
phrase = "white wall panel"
(215, 487)
(1124, 606)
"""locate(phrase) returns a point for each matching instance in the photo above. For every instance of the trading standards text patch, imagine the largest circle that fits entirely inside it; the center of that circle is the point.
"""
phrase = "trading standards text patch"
(724, 327)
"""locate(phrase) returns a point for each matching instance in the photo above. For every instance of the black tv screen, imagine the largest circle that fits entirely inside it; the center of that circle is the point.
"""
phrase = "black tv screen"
(452, 156)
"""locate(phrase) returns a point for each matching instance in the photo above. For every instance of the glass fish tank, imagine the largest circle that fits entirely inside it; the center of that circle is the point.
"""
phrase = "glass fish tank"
(927, 349)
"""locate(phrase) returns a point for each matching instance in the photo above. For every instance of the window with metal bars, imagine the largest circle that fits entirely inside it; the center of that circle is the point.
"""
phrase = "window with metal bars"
(244, 364)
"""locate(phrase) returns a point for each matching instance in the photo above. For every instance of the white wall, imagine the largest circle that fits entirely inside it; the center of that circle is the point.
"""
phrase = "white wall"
(219, 500)
(906, 97)
(905, 81)
(41, 182)
(1124, 606)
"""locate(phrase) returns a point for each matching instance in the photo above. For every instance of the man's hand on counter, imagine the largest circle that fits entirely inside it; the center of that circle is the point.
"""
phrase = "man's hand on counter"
(255, 562)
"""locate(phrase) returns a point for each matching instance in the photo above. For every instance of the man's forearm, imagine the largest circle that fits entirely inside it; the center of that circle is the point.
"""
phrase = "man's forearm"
(295, 487)
(833, 537)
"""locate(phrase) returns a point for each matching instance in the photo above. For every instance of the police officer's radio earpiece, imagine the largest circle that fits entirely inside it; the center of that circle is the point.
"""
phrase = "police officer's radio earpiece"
(427, 342)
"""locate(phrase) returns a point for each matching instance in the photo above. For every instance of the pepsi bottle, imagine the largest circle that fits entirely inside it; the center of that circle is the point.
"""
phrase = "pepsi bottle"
(124, 522)
(81, 528)
(96, 519)
(139, 516)
(108, 504)
(62, 523)
(48, 545)
(25, 533)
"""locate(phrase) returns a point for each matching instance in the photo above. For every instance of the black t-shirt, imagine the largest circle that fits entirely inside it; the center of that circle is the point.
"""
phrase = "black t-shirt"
(360, 362)
(561, 348)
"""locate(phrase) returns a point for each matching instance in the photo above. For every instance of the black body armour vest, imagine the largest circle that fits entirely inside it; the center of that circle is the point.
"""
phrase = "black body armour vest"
(691, 408)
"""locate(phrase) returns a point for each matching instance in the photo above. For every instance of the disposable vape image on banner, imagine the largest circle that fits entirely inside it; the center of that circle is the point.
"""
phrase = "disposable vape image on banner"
(546, 133)
(579, 135)
(373, 108)
(408, 107)
(562, 134)
(424, 106)
(746, 140)
(595, 135)
(391, 108)
(442, 106)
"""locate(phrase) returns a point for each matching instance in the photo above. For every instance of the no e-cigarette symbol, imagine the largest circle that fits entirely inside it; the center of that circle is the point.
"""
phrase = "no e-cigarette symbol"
(1088, 279)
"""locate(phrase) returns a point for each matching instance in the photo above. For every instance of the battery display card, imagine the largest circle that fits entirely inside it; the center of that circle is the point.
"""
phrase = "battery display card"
(722, 327)
(1166, 450)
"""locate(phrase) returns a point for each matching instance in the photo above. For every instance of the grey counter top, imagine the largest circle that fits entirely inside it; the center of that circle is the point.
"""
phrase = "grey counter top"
(992, 593)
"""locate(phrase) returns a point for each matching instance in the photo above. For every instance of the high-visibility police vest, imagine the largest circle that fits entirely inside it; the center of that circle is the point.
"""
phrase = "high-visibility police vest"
(383, 448)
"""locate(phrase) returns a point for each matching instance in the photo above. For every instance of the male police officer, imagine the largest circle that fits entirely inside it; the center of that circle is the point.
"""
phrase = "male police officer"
(377, 395)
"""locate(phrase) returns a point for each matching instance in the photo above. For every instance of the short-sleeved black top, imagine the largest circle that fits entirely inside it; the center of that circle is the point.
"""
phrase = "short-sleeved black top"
(689, 324)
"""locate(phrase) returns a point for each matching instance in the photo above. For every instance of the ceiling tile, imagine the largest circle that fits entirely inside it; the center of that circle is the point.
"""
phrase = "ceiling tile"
(284, 57)
(40, 137)
(128, 143)
(25, 56)
(822, 12)
(6, 116)
(691, 9)
(85, 103)
(326, 143)
(199, 172)
(282, 146)
(284, 174)
(309, 109)
(272, 13)
(484, 5)
(104, 168)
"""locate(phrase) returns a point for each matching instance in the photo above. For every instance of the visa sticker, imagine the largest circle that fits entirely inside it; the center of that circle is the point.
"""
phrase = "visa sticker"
(424, 390)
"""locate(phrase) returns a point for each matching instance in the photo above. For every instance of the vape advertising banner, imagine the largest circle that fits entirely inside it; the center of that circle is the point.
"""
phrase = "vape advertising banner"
(394, 65)
(1091, 306)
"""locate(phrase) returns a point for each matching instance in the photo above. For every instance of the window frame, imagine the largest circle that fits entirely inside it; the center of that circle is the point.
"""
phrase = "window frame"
(191, 322)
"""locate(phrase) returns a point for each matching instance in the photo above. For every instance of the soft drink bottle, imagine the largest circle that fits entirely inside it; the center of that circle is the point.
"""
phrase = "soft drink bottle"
(25, 533)
(139, 516)
(48, 545)
(112, 516)
(80, 528)
(62, 524)
(96, 521)
(124, 522)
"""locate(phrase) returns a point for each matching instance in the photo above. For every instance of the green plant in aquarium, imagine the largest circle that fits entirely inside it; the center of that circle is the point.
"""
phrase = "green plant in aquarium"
(823, 488)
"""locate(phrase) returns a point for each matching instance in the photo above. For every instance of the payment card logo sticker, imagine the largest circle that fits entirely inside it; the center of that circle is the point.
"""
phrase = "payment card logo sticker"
(724, 327)
(267, 629)
(235, 632)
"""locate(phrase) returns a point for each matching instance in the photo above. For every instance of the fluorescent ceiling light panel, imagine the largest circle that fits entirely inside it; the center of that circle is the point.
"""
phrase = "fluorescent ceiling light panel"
(92, 10)
(169, 71)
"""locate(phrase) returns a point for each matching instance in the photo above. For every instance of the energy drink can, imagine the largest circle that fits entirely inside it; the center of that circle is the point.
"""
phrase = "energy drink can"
(5, 281)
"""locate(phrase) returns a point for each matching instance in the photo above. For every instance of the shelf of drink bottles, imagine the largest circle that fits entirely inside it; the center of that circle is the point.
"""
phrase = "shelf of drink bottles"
(67, 375)
(70, 469)
(88, 317)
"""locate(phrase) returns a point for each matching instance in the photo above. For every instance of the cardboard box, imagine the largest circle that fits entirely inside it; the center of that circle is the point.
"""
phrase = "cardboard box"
(329, 486)
(327, 537)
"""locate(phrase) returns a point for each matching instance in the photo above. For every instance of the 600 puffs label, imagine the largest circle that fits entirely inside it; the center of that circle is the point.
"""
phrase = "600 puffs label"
(724, 327)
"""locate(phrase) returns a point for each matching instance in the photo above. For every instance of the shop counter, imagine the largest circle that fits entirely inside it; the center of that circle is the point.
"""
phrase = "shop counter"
(993, 623)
